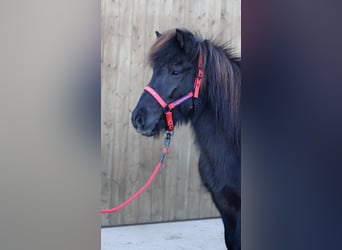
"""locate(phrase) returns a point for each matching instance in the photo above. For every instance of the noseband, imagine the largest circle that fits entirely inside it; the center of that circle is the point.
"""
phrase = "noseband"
(192, 94)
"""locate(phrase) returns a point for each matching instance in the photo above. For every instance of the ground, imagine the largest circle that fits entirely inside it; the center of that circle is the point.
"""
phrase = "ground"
(190, 235)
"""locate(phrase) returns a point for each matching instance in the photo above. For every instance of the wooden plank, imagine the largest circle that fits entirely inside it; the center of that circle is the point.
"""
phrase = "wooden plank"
(213, 19)
(184, 143)
(133, 12)
(157, 187)
(132, 154)
(121, 106)
(202, 23)
(150, 149)
(178, 13)
(109, 63)
(171, 164)
(170, 181)
(196, 21)
(194, 187)
(192, 15)
(236, 26)
(165, 18)
(226, 20)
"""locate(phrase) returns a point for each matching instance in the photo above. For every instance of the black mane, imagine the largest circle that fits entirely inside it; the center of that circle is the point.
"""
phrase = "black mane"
(222, 83)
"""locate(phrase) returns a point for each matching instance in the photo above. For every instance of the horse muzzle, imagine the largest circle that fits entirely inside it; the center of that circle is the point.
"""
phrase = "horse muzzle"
(145, 125)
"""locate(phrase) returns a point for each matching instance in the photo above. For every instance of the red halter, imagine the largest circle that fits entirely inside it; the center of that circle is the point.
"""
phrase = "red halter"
(172, 105)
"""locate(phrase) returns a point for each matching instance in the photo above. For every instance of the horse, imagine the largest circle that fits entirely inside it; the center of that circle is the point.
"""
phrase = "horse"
(199, 81)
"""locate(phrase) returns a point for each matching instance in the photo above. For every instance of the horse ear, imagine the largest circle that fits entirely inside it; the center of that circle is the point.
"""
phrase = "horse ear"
(180, 37)
(185, 40)
(157, 34)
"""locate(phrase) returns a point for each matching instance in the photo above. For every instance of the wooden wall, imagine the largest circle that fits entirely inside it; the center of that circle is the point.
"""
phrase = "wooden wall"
(128, 158)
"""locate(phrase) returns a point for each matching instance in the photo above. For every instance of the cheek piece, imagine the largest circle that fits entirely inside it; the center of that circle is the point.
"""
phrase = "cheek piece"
(192, 94)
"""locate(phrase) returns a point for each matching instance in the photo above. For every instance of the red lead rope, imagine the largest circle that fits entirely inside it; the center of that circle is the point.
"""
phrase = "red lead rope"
(170, 127)
(154, 173)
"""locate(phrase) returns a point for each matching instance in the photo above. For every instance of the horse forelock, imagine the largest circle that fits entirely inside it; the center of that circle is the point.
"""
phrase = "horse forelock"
(161, 45)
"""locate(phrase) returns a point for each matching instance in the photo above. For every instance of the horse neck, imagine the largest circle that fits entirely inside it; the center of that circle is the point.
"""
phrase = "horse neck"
(212, 114)
(206, 118)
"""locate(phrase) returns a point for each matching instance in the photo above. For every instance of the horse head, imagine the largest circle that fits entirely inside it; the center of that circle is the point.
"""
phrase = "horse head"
(173, 58)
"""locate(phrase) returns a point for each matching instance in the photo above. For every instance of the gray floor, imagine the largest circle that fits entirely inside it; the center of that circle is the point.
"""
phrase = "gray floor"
(190, 235)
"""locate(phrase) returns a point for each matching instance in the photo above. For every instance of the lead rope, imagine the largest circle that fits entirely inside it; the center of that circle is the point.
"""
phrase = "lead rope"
(169, 132)
(154, 173)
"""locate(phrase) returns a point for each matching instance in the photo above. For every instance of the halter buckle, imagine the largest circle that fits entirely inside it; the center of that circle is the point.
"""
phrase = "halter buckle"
(169, 121)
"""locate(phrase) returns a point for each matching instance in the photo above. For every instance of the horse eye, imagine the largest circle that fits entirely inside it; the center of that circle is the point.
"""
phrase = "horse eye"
(175, 73)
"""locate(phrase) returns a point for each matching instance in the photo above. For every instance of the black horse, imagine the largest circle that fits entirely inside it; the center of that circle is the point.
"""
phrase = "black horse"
(178, 59)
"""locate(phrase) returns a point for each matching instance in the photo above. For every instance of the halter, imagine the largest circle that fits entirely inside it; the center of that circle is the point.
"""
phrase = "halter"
(192, 94)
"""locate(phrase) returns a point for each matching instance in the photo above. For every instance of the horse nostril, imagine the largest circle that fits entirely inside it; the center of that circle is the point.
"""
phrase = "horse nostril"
(139, 121)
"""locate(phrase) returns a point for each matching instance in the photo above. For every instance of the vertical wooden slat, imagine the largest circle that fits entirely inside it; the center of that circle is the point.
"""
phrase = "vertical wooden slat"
(157, 187)
(171, 165)
(226, 19)
(184, 143)
(178, 13)
(121, 105)
(203, 22)
(192, 14)
(150, 146)
(132, 154)
(109, 76)
(213, 19)
(165, 16)
(126, 33)
(203, 18)
(236, 26)
(194, 188)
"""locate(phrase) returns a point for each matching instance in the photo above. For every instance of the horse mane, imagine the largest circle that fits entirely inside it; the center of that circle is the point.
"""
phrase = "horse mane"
(221, 82)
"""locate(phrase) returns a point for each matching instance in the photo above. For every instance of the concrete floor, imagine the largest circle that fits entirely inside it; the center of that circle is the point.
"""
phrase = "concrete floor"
(190, 235)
